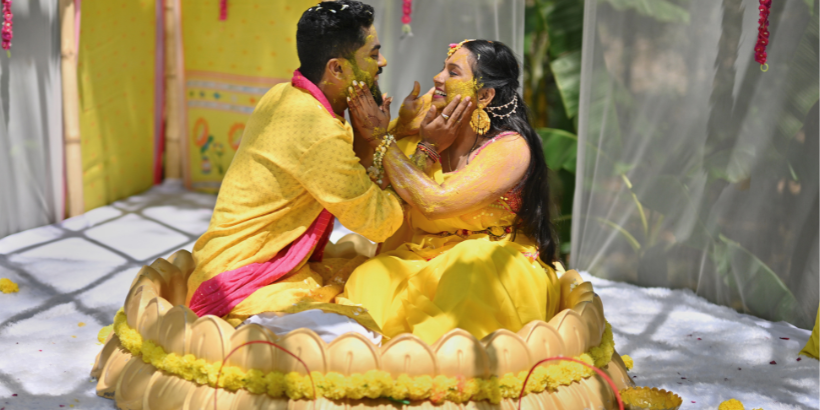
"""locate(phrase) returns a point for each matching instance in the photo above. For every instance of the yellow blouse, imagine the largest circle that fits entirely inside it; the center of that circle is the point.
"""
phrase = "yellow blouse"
(294, 160)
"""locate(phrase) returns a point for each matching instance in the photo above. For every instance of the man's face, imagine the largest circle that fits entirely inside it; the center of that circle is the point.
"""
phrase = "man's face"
(367, 64)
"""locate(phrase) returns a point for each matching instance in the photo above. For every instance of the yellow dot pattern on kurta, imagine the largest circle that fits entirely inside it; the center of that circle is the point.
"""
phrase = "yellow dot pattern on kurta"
(116, 83)
(229, 65)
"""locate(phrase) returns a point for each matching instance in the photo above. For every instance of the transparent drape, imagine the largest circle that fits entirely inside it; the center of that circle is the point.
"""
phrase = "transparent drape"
(695, 169)
(31, 147)
(436, 24)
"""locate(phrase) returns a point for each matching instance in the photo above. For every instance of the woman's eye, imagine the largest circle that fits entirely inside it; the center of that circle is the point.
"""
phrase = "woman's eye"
(453, 74)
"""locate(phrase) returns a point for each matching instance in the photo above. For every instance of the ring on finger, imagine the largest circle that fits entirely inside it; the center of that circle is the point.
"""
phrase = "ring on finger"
(446, 117)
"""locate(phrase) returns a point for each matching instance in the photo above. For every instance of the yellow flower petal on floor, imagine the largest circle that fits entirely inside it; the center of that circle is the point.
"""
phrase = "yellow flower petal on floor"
(102, 335)
(731, 404)
(628, 362)
(7, 286)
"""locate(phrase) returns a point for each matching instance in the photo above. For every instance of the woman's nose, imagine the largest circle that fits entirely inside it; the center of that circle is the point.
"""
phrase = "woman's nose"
(439, 78)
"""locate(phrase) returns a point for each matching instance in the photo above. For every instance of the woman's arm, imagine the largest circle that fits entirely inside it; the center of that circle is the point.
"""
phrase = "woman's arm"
(499, 168)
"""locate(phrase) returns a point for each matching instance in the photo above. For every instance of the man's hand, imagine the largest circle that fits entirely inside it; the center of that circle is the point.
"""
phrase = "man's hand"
(442, 130)
(369, 120)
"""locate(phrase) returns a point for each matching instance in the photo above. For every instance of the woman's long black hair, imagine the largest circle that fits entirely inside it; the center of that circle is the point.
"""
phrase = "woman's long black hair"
(495, 66)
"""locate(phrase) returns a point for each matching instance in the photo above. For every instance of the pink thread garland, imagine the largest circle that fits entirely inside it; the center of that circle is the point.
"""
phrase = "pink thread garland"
(597, 370)
(763, 34)
(7, 33)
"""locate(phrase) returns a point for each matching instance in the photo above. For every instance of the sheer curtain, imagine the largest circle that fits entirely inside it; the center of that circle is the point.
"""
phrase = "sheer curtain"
(695, 169)
(436, 24)
(31, 147)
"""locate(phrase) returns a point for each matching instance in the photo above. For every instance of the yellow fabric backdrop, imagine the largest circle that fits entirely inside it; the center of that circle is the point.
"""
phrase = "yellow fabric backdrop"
(116, 77)
(229, 65)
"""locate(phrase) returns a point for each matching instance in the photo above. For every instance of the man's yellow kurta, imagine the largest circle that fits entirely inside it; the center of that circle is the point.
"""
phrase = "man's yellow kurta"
(295, 159)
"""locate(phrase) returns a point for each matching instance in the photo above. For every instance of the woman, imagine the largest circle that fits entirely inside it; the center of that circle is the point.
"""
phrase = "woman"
(477, 248)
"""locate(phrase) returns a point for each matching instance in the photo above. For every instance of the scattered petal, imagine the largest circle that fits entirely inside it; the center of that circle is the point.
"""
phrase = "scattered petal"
(798, 359)
(773, 362)
(683, 378)
(14, 395)
(784, 338)
(81, 324)
(700, 339)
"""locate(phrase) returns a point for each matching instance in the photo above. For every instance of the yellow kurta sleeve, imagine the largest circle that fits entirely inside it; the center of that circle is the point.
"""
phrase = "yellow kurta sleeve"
(330, 171)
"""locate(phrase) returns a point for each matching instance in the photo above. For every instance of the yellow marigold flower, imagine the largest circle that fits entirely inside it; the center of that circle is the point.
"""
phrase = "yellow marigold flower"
(255, 381)
(490, 390)
(510, 385)
(420, 388)
(731, 404)
(377, 383)
(318, 382)
(187, 364)
(627, 362)
(200, 372)
(463, 391)
(276, 384)
(298, 386)
(538, 380)
(442, 385)
(400, 388)
(355, 386)
(334, 386)
(7, 286)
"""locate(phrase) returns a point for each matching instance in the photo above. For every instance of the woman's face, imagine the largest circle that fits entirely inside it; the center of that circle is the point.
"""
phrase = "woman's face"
(456, 78)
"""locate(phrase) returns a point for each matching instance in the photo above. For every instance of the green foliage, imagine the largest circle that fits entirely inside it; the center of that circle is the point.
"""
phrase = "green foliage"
(567, 71)
(660, 10)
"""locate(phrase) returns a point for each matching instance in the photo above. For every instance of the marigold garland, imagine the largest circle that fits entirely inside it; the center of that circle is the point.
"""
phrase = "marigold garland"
(372, 384)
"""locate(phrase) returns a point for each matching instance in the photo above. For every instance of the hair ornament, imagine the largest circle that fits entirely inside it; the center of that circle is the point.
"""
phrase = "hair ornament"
(493, 110)
(332, 11)
(454, 47)
(344, 6)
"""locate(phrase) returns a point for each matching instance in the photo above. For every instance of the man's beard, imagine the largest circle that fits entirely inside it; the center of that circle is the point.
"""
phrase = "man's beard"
(377, 93)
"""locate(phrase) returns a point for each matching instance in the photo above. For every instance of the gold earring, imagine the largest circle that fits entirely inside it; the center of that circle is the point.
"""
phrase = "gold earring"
(480, 121)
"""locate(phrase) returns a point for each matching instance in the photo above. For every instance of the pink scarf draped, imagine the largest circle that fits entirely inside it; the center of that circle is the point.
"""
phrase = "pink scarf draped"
(220, 294)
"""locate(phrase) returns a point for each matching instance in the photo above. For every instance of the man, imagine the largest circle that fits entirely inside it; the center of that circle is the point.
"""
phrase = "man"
(294, 171)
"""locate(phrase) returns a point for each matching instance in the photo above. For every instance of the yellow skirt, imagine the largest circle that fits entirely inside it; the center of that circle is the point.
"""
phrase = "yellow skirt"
(474, 284)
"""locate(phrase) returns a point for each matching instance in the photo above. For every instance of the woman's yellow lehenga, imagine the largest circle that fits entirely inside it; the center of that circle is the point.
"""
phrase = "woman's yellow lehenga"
(464, 272)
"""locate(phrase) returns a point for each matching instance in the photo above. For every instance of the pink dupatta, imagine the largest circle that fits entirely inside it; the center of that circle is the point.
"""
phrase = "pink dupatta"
(220, 294)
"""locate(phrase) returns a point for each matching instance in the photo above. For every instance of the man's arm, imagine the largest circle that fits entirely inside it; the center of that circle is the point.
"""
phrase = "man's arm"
(333, 175)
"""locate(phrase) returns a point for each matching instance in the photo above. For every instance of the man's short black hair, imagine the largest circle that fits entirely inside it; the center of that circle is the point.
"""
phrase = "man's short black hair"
(333, 29)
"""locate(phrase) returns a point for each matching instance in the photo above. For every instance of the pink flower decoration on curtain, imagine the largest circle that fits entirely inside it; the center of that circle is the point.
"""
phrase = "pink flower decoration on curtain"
(763, 34)
(7, 32)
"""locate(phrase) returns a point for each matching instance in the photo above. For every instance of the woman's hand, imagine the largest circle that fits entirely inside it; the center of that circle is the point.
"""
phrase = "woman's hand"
(442, 130)
(368, 119)
(410, 110)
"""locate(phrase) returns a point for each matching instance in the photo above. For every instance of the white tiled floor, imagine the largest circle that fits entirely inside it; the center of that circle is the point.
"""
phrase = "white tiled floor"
(78, 272)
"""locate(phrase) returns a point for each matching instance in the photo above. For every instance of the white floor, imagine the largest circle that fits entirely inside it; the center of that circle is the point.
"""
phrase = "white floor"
(74, 276)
